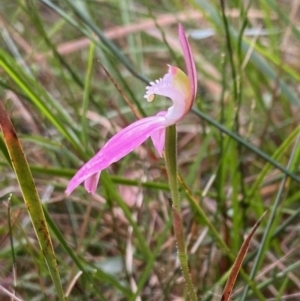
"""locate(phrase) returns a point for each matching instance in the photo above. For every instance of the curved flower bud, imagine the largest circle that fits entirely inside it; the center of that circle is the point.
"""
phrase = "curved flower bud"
(176, 85)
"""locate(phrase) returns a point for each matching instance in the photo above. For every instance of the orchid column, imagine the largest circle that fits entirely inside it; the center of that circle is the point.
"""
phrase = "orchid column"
(181, 89)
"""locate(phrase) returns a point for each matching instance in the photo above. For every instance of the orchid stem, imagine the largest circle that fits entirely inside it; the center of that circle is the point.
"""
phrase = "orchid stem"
(171, 164)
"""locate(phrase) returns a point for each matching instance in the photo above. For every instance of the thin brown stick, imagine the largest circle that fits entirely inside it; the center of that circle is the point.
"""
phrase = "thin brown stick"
(132, 107)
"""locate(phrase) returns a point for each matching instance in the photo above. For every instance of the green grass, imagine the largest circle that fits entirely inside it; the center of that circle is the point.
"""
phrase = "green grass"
(238, 149)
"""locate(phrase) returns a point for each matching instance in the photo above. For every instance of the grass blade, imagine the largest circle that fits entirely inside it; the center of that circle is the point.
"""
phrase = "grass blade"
(31, 197)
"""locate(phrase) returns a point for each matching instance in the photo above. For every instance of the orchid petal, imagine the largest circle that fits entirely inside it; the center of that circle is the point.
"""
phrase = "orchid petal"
(158, 137)
(189, 62)
(91, 183)
(116, 148)
(175, 85)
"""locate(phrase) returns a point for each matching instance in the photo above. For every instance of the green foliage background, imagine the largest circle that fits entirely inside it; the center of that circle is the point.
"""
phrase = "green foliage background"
(238, 149)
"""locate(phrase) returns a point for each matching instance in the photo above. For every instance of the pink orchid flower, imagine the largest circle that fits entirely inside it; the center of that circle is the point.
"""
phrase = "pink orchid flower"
(180, 88)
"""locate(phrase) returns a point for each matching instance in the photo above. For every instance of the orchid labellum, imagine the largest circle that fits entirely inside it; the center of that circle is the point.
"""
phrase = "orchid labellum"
(177, 86)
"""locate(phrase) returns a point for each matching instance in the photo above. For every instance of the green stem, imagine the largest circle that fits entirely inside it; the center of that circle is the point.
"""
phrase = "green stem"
(171, 164)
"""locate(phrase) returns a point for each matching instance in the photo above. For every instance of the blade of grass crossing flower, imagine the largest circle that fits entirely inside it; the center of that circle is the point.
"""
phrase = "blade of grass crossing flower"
(246, 144)
(41, 170)
(31, 198)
